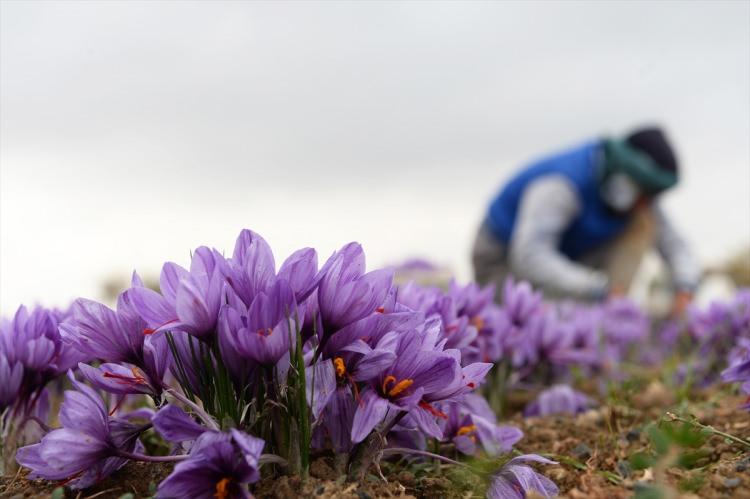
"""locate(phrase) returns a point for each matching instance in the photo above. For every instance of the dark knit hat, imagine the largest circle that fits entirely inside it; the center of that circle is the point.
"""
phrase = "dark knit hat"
(653, 142)
(644, 155)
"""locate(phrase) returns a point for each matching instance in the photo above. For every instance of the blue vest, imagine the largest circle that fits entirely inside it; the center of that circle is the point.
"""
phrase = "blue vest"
(593, 226)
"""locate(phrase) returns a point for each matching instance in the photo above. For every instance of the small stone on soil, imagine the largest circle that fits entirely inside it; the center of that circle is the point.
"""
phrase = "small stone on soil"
(633, 435)
(581, 452)
(731, 483)
(624, 469)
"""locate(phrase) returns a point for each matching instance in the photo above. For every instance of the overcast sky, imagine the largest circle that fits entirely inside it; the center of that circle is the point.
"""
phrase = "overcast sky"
(131, 132)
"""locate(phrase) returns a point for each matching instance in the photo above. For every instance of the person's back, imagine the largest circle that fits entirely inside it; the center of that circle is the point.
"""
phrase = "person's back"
(581, 167)
(557, 212)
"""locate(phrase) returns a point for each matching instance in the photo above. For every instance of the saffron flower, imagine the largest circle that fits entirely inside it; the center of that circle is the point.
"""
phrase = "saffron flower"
(87, 448)
(515, 480)
(189, 299)
(346, 293)
(175, 425)
(472, 425)
(559, 399)
(252, 270)
(32, 353)
(421, 375)
(264, 331)
(117, 337)
(219, 467)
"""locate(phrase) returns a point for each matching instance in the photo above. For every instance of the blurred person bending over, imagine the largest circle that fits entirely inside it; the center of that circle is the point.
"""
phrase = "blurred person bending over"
(577, 224)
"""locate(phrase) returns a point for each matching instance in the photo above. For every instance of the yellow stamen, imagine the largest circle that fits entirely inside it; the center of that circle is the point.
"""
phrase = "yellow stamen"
(465, 430)
(400, 387)
(338, 363)
(397, 388)
(222, 489)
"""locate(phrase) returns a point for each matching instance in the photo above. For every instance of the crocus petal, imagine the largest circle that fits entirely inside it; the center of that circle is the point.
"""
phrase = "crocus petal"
(153, 307)
(70, 451)
(250, 446)
(496, 439)
(116, 378)
(320, 381)
(83, 410)
(465, 445)
(503, 488)
(338, 418)
(169, 281)
(530, 480)
(426, 422)
(371, 411)
(299, 270)
(192, 310)
(174, 425)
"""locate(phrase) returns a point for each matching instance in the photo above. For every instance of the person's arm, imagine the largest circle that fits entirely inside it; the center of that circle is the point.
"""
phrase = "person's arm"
(547, 208)
(686, 271)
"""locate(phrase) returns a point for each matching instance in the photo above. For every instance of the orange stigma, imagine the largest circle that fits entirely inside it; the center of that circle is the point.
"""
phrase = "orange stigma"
(338, 363)
(149, 330)
(427, 407)
(138, 377)
(397, 388)
(466, 430)
(380, 310)
(222, 489)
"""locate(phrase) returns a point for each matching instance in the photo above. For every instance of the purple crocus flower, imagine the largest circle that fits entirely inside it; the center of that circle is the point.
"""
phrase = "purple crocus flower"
(118, 337)
(219, 467)
(515, 480)
(252, 270)
(32, 353)
(520, 301)
(468, 430)
(175, 425)
(264, 331)
(422, 375)
(558, 399)
(189, 300)
(86, 448)
(458, 330)
(402, 386)
(624, 322)
(346, 293)
(12, 375)
(576, 338)
(522, 308)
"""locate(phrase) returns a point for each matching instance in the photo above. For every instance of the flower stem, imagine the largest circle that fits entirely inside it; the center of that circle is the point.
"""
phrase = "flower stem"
(674, 417)
(151, 459)
(272, 459)
(424, 453)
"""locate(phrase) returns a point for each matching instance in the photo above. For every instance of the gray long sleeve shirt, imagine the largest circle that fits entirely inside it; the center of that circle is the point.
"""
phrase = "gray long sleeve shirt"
(547, 208)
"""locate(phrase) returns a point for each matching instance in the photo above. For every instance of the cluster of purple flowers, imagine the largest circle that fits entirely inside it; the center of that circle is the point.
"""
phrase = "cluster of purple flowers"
(731, 323)
(235, 358)
(531, 342)
(709, 339)
(32, 353)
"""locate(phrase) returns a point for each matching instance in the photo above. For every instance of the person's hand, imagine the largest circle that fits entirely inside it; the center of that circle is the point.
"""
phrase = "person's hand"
(680, 304)
(616, 291)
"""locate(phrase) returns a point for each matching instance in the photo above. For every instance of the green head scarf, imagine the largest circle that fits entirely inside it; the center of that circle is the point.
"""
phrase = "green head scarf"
(624, 158)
